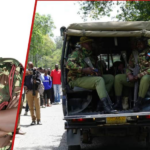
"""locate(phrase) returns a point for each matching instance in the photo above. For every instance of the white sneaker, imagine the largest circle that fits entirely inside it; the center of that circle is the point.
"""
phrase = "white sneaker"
(43, 106)
(55, 103)
(26, 113)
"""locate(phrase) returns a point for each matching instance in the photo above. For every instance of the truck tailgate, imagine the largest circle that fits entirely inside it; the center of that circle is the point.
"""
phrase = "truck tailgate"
(98, 115)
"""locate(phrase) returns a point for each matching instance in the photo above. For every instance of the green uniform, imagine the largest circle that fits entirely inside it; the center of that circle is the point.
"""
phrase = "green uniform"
(144, 75)
(10, 85)
(75, 64)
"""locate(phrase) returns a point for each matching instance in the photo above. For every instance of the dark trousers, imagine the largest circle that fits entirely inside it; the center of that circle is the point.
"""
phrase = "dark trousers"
(52, 95)
(27, 107)
(23, 97)
(42, 100)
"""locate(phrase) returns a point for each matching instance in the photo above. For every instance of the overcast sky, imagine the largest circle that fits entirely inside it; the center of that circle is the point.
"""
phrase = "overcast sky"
(63, 13)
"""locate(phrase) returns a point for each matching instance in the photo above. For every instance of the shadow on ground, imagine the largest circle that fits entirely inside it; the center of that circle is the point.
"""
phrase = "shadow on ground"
(99, 143)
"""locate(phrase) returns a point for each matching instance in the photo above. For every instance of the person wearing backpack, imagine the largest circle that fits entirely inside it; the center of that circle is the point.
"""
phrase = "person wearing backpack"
(31, 84)
(10, 88)
(47, 82)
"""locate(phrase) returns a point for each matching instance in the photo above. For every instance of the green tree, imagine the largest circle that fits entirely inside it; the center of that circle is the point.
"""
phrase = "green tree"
(95, 9)
(43, 26)
(55, 58)
(130, 10)
(135, 11)
(43, 51)
(59, 42)
(46, 50)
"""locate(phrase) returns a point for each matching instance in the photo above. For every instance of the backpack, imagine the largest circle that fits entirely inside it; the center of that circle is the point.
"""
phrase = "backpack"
(41, 88)
(10, 86)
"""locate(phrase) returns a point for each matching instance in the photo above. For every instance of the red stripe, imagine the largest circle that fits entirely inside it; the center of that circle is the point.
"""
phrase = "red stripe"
(16, 123)
(11, 78)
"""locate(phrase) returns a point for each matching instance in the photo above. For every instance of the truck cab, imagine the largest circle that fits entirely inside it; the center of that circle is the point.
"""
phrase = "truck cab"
(112, 46)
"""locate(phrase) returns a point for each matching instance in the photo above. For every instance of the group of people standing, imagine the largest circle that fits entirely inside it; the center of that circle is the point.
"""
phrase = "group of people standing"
(50, 83)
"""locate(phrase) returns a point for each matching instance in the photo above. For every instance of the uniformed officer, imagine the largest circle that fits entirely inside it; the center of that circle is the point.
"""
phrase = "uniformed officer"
(81, 75)
(10, 85)
(143, 76)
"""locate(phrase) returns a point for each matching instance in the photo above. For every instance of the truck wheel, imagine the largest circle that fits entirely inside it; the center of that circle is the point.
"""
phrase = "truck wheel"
(74, 147)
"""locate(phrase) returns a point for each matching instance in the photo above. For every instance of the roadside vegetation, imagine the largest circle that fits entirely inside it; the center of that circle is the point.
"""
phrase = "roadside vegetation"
(44, 52)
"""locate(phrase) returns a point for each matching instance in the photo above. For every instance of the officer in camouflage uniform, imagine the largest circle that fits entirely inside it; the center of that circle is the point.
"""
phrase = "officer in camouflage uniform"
(143, 76)
(81, 75)
(10, 85)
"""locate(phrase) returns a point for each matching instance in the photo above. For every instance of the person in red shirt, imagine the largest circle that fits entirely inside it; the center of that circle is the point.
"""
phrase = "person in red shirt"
(56, 79)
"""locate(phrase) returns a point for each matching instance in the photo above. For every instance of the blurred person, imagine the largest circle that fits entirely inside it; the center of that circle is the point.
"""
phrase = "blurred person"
(18, 130)
(42, 79)
(26, 109)
(10, 85)
(47, 82)
(56, 80)
(33, 97)
(49, 71)
(51, 90)
(27, 106)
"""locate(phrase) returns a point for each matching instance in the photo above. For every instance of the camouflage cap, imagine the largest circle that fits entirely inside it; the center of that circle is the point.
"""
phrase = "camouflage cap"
(85, 39)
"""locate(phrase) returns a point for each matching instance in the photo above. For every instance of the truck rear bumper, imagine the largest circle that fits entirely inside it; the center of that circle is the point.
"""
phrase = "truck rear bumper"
(89, 126)
(90, 115)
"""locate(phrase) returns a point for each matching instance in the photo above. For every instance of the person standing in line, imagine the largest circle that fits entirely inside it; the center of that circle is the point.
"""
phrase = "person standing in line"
(56, 78)
(26, 109)
(32, 98)
(47, 82)
(18, 130)
(27, 106)
(42, 79)
(51, 90)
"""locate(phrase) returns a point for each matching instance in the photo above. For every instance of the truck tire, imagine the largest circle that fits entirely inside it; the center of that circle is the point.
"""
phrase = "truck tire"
(74, 147)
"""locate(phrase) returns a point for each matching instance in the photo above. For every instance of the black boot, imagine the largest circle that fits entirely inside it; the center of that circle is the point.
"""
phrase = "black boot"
(118, 104)
(107, 109)
(99, 106)
(138, 104)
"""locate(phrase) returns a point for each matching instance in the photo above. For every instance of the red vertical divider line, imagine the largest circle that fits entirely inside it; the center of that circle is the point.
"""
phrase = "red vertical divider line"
(20, 98)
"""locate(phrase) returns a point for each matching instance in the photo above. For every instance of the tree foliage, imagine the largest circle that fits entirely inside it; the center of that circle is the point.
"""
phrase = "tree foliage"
(59, 42)
(127, 11)
(44, 52)
(56, 54)
(42, 29)
(135, 11)
(95, 9)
